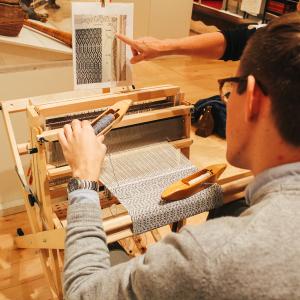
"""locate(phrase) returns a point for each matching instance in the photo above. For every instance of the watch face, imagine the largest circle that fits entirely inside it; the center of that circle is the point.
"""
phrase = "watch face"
(73, 184)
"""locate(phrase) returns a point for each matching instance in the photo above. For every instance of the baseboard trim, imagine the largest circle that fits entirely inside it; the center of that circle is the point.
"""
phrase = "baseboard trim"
(11, 207)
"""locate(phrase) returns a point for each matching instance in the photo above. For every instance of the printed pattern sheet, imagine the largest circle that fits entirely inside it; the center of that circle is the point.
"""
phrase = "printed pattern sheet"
(99, 58)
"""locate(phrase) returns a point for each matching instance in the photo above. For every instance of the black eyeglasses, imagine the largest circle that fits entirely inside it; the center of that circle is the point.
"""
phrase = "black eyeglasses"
(225, 86)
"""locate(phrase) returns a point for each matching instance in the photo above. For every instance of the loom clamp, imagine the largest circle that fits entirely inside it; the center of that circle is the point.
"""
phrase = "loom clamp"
(42, 140)
(30, 196)
(32, 199)
(20, 232)
(127, 89)
(32, 150)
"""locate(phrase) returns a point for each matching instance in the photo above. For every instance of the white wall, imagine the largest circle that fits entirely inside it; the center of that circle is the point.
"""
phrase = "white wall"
(161, 18)
(13, 85)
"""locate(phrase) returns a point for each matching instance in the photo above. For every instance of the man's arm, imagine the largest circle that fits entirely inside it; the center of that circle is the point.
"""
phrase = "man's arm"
(87, 271)
(207, 45)
(226, 45)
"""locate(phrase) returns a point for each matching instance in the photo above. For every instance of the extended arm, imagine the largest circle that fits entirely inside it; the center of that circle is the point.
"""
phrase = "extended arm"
(207, 45)
(226, 45)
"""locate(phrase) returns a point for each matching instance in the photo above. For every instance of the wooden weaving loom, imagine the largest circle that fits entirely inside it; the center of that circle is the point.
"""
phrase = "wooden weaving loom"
(45, 197)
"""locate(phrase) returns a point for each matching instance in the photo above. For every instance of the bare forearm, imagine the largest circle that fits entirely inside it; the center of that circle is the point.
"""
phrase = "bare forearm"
(207, 45)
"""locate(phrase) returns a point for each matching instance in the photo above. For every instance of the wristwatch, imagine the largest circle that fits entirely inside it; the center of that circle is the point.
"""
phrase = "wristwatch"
(76, 183)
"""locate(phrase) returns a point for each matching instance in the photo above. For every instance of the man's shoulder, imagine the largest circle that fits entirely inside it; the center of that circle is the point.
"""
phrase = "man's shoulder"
(216, 233)
(273, 212)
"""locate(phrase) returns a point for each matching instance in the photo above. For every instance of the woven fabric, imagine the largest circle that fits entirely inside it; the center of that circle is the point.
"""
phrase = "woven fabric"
(138, 177)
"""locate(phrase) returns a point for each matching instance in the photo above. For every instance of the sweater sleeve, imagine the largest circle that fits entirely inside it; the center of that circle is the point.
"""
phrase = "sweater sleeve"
(87, 271)
(236, 41)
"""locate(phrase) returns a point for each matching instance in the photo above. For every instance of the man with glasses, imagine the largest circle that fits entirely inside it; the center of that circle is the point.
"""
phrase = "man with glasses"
(253, 256)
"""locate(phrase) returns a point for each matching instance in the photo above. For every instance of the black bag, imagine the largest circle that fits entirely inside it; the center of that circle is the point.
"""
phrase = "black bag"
(218, 111)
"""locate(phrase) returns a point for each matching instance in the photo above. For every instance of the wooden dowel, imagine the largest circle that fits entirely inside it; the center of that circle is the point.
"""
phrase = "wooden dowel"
(62, 36)
(19, 105)
(23, 148)
(117, 236)
(230, 179)
(236, 187)
(59, 172)
(116, 223)
(13, 143)
(78, 105)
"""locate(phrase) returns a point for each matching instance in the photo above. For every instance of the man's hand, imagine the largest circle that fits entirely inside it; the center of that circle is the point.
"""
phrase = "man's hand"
(83, 151)
(146, 48)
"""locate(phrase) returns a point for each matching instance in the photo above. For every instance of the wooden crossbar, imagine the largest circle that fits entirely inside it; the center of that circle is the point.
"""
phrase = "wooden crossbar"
(20, 105)
(73, 106)
(116, 228)
(129, 120)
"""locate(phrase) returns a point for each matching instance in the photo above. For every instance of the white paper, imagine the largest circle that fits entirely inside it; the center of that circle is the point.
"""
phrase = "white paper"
(252, 7)
(99, 58)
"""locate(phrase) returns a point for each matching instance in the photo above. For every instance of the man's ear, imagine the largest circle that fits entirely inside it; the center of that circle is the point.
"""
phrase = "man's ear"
(253, 99)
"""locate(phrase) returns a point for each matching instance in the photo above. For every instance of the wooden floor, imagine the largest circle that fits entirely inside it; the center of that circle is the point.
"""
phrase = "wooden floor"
(20, 270)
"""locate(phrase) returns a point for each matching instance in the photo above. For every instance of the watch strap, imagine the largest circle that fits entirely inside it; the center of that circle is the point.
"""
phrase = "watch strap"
(78, 184)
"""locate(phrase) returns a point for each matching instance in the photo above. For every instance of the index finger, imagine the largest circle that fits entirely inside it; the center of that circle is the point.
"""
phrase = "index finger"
(126, 40)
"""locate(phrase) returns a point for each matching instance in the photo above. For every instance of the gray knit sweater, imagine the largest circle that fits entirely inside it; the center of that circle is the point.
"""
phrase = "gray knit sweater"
(254, 256)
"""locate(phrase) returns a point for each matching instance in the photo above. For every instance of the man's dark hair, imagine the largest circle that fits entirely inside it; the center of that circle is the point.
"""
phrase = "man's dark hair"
(272, 56)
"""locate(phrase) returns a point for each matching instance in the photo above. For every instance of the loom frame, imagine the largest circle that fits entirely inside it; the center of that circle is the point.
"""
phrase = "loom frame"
(48, 231)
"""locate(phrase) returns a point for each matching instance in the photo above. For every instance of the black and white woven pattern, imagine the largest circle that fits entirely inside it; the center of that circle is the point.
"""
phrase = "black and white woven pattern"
(138, 177)
(88, 55)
